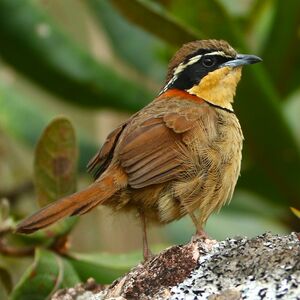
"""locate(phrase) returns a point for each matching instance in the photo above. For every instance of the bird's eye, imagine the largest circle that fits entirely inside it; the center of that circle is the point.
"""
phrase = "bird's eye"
(209, 61)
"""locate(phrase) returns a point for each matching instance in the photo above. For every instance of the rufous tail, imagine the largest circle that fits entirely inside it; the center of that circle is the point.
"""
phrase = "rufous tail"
(75, 204)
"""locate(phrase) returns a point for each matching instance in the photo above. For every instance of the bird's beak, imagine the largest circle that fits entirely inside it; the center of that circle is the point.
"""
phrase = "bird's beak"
(241, 60)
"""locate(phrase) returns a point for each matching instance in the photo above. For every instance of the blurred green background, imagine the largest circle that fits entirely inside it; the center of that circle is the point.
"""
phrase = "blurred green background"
(96, 62)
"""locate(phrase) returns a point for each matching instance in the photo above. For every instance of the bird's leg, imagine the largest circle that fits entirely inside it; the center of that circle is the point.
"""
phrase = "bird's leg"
(146, 251)
(200, 233)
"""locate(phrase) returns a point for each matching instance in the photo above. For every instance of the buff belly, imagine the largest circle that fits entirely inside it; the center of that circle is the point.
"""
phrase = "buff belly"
(212, 175)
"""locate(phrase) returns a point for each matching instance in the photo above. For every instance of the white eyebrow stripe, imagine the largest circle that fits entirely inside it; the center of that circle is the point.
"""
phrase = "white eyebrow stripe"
(194, 59)
(180, 68)
(191, 61)
(221, 53)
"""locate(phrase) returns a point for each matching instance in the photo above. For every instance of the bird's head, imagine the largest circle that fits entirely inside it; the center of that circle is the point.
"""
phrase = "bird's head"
(209, 69)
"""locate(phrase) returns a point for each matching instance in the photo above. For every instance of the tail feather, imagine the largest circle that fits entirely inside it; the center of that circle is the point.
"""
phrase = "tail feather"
(86, 208)
(75, 204)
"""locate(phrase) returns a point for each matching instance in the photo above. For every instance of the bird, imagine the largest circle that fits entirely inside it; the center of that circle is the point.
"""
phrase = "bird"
(179, 155)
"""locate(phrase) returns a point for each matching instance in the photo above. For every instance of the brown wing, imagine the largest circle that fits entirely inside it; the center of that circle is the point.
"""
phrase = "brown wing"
(102, 159)
(152, 152)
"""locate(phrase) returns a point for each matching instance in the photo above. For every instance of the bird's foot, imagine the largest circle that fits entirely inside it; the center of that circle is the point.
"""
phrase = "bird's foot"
(202, 236)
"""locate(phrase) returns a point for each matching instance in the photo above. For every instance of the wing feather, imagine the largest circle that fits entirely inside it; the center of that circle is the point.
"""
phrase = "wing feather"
(102, 159)
(151, 153)
(151, 150)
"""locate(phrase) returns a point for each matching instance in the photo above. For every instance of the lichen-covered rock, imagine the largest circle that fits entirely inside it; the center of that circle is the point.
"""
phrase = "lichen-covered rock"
(169, 268)
(265, 267)
(83, 291)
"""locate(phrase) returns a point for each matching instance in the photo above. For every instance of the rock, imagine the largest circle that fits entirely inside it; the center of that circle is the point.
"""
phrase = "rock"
(265, 267)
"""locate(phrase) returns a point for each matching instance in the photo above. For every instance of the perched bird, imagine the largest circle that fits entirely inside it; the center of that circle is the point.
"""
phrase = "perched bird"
(179, 155)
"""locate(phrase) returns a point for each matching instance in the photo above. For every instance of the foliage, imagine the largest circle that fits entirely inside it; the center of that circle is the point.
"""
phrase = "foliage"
(47, 273)
(296, 212)
(55, 162)
(60, 65)
(142, 34)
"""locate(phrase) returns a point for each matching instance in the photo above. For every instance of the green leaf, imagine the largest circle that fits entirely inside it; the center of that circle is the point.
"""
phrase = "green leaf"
(55, 163)
(6, 221)
(106, 267)
(281, 51)
(128, 40)
(183, 20)
(246, 202)
(103, 267)
(3, 293)
(34, 45)
(55, 169)
(237, 8)
(208, 15)
(247, 214)
(255, 179)
(259, 23)
(291, 109)
(47, 273)
(70, 277)
(4, 209)
(244, 224)
(25, 119)
(295, 211)
(49, 235)
(151, 17)
(5, 280)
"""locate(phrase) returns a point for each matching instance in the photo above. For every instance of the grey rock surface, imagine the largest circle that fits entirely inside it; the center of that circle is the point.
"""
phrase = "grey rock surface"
(265, 267)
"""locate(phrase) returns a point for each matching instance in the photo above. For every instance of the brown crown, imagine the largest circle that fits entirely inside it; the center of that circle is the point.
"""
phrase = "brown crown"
(192, 47)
